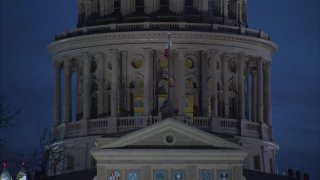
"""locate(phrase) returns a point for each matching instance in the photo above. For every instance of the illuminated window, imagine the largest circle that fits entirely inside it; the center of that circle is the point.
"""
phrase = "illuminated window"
(205, 175)
(115, 175)
(133, 175)
(178, 175)
(160, 175)
(224, 175)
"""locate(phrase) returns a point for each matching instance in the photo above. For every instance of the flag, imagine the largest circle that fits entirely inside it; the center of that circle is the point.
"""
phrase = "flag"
(167, 50)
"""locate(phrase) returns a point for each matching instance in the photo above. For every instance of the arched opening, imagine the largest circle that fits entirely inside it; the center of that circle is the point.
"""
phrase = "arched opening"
(74, 96)
(117, 7)
(94, 101)
(210, 7)
(188, 7)
(139, 6)
(164, 6)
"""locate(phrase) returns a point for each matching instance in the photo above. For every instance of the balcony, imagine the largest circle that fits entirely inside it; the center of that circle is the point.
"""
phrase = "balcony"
(120, 125)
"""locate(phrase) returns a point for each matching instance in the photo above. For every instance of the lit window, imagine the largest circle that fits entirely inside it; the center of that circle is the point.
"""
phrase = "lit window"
(115, 175)
(133, 175)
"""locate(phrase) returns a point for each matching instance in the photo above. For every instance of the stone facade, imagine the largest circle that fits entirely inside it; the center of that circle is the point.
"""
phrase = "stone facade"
(113, 79)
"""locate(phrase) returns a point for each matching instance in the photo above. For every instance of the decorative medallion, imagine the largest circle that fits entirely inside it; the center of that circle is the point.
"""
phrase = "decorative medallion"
(137, 62)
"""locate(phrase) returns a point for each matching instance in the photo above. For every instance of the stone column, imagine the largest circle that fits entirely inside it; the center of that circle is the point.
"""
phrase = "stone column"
(148, 80)
(225, 9)
(204, 84)
(67, 90)
(57, 95)
(267, 93)
(254, 96)
(123, 82)
(225, 85)
(100, 62)
(260, 91)
(86, 59)
(241, 86)
(180, 82)
(115, 82)
(214, 81)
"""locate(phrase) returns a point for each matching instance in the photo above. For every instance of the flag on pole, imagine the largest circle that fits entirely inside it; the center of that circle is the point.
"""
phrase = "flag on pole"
(167, 50)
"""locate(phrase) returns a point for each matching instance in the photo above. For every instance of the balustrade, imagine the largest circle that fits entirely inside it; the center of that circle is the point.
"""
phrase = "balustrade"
(102, 126)
(162, 26)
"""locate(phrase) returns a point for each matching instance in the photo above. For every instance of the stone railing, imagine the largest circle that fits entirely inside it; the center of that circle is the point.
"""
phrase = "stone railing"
(162, 26)
(98, 126)
(130, 123)
(228, 126)
(73, 129)
(113, 125)
(200, 122)
(250, 129)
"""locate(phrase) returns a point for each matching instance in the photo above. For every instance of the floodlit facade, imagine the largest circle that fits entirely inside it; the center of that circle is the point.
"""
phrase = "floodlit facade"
(137, 105)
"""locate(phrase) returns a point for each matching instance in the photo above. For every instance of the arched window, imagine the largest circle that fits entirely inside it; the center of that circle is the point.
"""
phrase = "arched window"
(164, 5)
(188, 7)
(210, 7)
(140, 6)
(117, 7)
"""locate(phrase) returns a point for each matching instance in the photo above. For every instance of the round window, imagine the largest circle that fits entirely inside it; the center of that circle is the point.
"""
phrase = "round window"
(169, 139)
(189, 63)
(137, 63)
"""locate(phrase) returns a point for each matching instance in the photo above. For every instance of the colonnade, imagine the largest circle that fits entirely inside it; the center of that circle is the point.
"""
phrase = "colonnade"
(252, 81)
(232, 9)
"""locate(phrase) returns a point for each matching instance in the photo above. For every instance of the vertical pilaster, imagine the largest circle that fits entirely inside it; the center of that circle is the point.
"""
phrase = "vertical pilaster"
(86, 59)
(225, 85)
(267, 93)
(260, 91)
(180, 82)
(254, 96)
(57, 95)
(214, 81)
(204, 84)
(67, 90)
(123, 81)
(148, 80)
(225, 8)
(241, 86)
(115, 82)
(100, 62)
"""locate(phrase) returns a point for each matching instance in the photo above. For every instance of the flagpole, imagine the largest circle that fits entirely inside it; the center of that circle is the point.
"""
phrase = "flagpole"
(169, 75)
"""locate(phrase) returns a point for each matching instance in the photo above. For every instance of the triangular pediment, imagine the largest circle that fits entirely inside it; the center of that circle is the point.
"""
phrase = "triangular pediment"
(169, 133)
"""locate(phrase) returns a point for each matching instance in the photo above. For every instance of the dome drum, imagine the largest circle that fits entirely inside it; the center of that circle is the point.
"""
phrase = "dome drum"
(98, 12)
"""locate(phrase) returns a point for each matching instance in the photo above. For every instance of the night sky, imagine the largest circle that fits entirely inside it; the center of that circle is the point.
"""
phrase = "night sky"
(28, 26)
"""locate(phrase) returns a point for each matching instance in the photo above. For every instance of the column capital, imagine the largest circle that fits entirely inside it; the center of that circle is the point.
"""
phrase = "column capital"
(181, 52)
(114, 52)
(98, 56)
(214, 52)
(67, 62)
(227, 56)
(57, 65)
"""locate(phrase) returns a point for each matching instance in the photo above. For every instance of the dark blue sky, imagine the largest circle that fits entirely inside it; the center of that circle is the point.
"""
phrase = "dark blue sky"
(26, 75)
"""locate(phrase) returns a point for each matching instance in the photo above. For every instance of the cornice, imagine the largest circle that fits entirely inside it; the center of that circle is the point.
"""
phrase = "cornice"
(156, 37)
